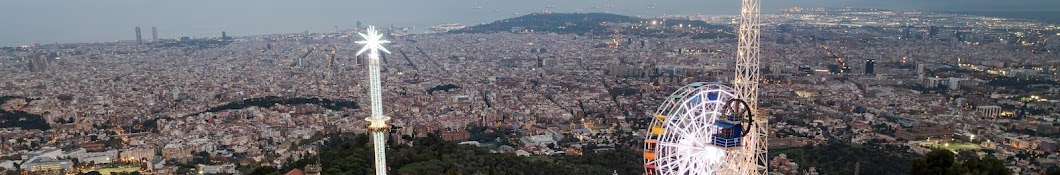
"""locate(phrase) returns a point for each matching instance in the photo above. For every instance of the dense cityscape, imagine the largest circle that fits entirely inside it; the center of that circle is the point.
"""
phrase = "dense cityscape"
(898, 84)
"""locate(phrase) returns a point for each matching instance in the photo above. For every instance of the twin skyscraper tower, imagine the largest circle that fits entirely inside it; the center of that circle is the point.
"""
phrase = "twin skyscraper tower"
(154, 34)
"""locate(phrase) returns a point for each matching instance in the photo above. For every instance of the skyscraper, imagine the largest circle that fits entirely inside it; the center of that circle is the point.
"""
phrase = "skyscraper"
(958, 35)
(870, 65)
(933, 31)
(907, 31)
(154, 33)
(920, 71)
(138, 38)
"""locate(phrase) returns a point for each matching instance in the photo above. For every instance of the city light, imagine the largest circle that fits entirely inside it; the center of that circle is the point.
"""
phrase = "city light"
(898, 82)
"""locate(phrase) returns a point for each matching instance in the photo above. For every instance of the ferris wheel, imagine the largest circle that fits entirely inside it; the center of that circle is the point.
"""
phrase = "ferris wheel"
(700, 129)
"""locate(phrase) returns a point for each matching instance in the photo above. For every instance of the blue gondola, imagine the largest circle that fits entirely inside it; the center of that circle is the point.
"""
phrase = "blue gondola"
(731, 132)
(713, 95)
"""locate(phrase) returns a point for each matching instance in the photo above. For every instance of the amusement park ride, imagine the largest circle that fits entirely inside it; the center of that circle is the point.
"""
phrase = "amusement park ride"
(373, 43)
(710, 128)
(702, 128)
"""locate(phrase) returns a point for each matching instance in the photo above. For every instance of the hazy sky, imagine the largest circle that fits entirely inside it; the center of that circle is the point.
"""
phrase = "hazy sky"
(62, 21)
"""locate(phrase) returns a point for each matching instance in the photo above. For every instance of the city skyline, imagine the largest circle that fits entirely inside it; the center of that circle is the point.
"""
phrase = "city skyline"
(78, 22)
(802, 91)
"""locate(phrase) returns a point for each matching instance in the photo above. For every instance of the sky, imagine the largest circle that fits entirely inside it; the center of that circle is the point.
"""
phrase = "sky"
(24, 22)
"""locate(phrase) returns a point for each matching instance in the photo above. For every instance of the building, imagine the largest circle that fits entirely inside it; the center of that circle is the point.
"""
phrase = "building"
(870, 67)
(958, 35)
(156, 164)
(907, 31)
(988, 111)
(920, 71)
(1021, 73)
(39, 62)
(154, 33)
(312, 169)
(933, 31)
(954, 83)
(9, 164)
(625, 70)
(1048, 146)
(539, 140)
(1047, 128)
(181, 152)
(959, 106)
(47, 164)
(932, 82)
(91, 156)
(94, 147)
(455, 135)
(50, 152)
(138, 38)
(1019, 143)
(45, 159)
(216, 169)
(137, 153)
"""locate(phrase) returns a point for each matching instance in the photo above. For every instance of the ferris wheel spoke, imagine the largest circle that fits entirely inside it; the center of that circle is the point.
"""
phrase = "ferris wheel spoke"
(686, 146)
(689, 134)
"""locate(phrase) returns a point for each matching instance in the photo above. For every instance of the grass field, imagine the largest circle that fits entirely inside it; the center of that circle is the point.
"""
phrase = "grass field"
(956, 146)
(117, 170)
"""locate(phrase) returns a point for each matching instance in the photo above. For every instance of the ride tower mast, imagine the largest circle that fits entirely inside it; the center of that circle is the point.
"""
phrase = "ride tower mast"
(746, 83)
(373, 44)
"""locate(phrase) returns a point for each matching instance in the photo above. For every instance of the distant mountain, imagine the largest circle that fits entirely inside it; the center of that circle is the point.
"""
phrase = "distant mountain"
(598, 24)
(564, 23)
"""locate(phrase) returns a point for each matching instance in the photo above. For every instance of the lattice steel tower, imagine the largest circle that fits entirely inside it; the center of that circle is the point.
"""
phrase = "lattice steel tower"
(746, 82)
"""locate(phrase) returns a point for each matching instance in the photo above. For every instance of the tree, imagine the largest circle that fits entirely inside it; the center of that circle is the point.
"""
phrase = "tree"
(940, 161)
(352, 154)
(1053, 171)
(988, 165)
(936, 162)
(451, 172)
(201, 157)
(433, 166)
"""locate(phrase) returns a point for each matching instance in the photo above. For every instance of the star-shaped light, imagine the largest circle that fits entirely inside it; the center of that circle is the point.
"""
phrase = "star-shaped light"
(372, 41)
